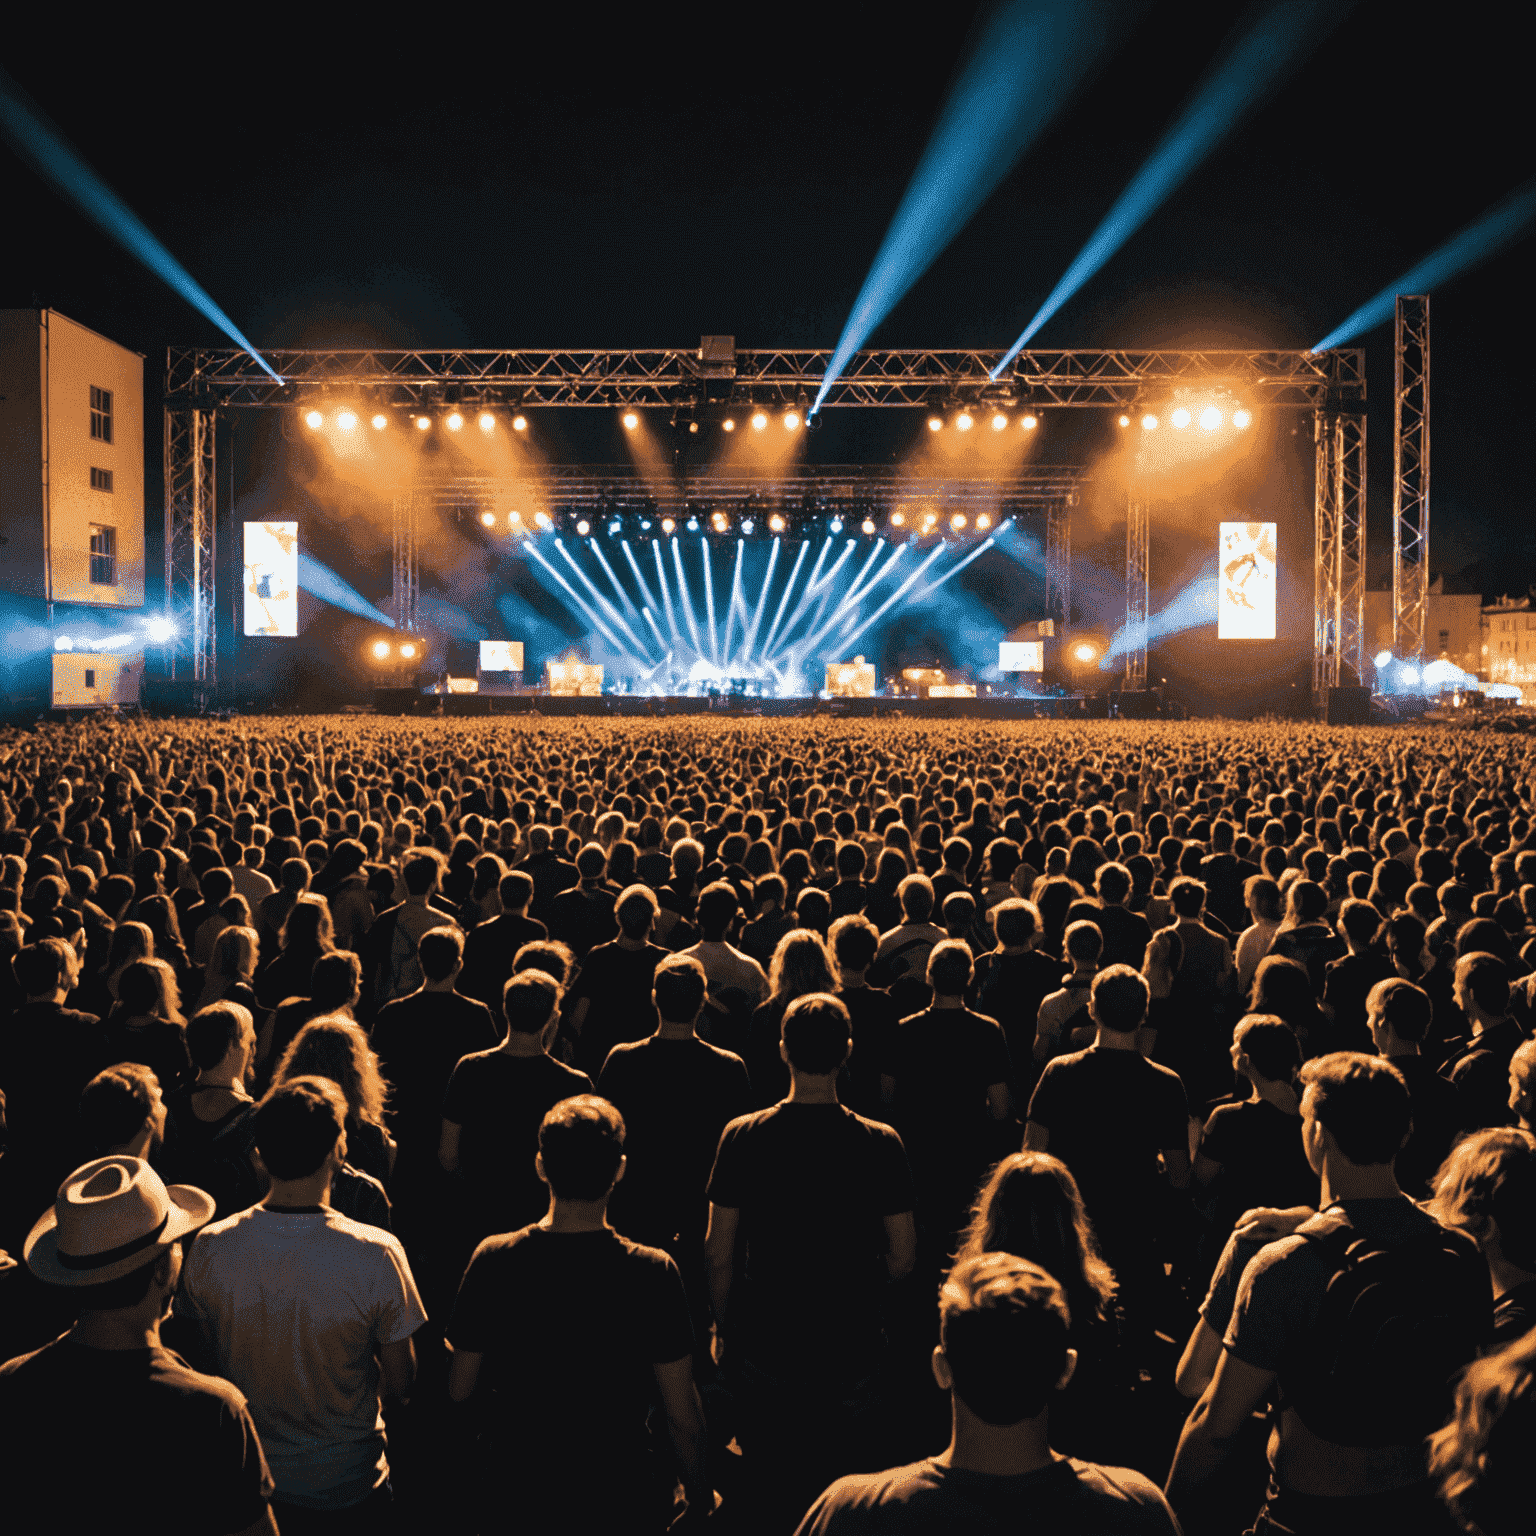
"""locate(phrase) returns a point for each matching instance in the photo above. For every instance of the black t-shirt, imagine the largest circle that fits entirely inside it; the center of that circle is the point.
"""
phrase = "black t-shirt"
(1347, 982)
(1437, 1120)
(616, 983)
(1514, 1314)
(813, 1184)
(1262, 1160)
(1481, 1075)
(102, 1435)
(499, 1102)
(214, 1155)
(571, 1324)
(944, 1060)
(583, 916)
(1010, 989)
(873, 1018)
(47, 1055)
(676, 1096)
(1110, 1113)
(1126, 933)
(419, 1040)
(159, 1045)
(489, 950)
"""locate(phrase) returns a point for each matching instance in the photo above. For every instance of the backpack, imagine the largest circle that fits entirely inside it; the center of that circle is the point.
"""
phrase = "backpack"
(1396, 1324)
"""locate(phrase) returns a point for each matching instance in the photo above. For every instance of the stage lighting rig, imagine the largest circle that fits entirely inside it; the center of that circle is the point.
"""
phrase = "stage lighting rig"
(1029, 421)
(423, 423)
(759, 420)
(380, 421)
(631, 420)
(346, 420)
(728, 425)
(935, 423)
(314, 420)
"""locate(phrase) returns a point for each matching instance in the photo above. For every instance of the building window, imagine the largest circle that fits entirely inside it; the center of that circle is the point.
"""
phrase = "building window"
(101, 479)
(103, 555)
(1445, 639)
(101, 414)
(90, 677)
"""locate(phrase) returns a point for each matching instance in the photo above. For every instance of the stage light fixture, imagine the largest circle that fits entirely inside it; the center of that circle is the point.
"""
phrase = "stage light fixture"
(516, 519)
(935, 423)
(615, 528)
(423, 423)
(1029, 423)
(759, 420)
(346, 420)
(645, 524)
(957, 522)
(1410, 674)
(728, 425)
(455, 421)
(542, 519)
(1125, 421)
(791, 421)
(1382, 658)
(867, 526)
(380, 422)
(488, 518)
(692, 525)
(1180, 418)
(519, 423)
(1149, 422)
(1240, 419)
(999, 422)
(160, 630)
(836, 525)
(380, 649)
(1210, 418)
(487, 422)
(929, 519)
(776, 523)
(748, 524)
(983, 522)
(631, 421)
(408, 651)
(720, 522)
(693, 426)
(64, 643)
(1084, 653)
(667, 525)
(313, 420)
(583, 527)
(898, 519)
(964, 421)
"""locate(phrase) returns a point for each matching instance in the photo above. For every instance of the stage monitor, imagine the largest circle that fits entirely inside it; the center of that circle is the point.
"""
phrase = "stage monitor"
(1021, 656)
(1245, 603)
(272, 579)
(501, 655)
(851, 679)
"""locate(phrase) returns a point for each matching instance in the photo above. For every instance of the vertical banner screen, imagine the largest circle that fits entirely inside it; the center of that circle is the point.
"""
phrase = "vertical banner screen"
(1245, 606)
(272, 578)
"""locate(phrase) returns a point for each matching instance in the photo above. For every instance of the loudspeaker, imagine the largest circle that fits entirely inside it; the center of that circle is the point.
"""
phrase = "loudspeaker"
(1349, 706)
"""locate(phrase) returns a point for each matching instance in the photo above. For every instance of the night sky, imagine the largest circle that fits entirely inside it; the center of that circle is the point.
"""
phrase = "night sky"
(439, 178)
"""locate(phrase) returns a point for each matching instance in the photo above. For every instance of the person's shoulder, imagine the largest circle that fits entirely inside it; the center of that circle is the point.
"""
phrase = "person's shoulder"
(359, 1235)
(1122, 1486)
(859, 1499)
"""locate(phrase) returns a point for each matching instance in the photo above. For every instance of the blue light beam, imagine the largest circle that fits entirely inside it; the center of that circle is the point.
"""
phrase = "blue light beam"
(1246, 72)
(784, 601)
(1029, 59)
(51, 155)
(325, 584)
(762, 600)
(1501, 226)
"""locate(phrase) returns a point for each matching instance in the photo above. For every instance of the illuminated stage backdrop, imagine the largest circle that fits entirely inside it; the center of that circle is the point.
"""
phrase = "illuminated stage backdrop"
(1245, 604)
(272, 578)
(1021, 656)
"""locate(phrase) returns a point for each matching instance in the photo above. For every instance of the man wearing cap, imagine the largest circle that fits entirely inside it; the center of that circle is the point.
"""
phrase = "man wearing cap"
(106, 1424)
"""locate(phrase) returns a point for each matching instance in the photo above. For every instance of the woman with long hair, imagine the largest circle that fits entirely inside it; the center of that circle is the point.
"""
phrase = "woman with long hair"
(305, 936)
(1030, 1207)
(147, 1025)
(158, 914)
(130, 942)
(1281, 987)
(483, 900)
(230, 969)
(883, 908)
(336, 1048)
(801, 964)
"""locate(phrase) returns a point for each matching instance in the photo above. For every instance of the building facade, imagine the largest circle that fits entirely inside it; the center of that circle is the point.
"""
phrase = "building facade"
(1509, 644)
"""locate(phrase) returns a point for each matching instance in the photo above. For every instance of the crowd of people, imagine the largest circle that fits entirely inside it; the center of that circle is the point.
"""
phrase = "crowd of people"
(788, 1126)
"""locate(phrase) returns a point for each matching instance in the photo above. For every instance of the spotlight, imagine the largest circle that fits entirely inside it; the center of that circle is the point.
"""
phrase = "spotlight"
(312, 420)
(1210, 418)
(380, 649)
(64, 643)
(692, 525)
(1180, 418)
(1240, 419)
(487, 422)
(519, 423)
(1084, 653)
(423, 423)
(728, 425)
(1029, 423)
(1410, 674)
(983, 522)
(748, 524)
(645, 524)
(720, 522)
(455, 421)
(1149, 422)
(615, 528)
(957, 522)
(1125, 421)
(346, 420)
(380, 422)
(898, 519)
(160, 630)
(935, 423)
(516, 519)
(929, 519)
(759, 421)
(999, 421)
(1382, 658)
(693, 426)
(631, 421)
(408, 651)
(964, 421)
(791, 421)
(583, 527)
(867, 526)
(488, 518)
(836, 525)
(667, 525)
(542, 519)
(776, 523)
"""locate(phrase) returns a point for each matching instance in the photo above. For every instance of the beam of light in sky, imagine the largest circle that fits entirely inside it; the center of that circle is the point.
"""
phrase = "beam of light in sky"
(1501, 226)
(735, 602)
(1247, 70)
(660, 640)
(614, 616)
(806, 593)
(685, 597)
(709, 603)
(618, 586)
(591, 614)
(1029, 58)
(762, 600)
(847, 611)
(666, 595)
(1190, 609)
(784, 601)
(325, 584)
(634, 565)
(898, 594)
(51, 155)
(821, 589)
(954, 570)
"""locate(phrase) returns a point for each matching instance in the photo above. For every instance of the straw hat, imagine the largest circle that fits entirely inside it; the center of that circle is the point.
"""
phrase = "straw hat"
(112, 1216)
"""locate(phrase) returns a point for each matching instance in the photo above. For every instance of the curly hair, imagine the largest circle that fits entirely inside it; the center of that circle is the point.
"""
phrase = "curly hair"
(334, 1047)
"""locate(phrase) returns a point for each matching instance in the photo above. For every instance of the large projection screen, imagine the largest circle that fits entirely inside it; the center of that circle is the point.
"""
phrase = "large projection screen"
(1245, 605)
(501, 655)
(1021, 656)
(272, 579)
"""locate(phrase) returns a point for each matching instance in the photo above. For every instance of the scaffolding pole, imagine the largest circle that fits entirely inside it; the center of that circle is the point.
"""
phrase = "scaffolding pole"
(1138, 528)
(1410, 479)
(407, 581)
(1058, 563)
(1338, 576)
(191, 505)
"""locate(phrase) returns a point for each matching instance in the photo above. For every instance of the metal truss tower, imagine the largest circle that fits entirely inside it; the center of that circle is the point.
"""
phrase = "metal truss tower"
(1338, 577)
(407, 576)
(1058, 563)
(1410, 478)
(1138, 529)
(190, 506)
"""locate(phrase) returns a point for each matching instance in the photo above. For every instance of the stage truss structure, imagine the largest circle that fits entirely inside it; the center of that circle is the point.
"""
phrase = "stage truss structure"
(202, 382)
(1338, 576)
(1410, 478)
(1138, 561)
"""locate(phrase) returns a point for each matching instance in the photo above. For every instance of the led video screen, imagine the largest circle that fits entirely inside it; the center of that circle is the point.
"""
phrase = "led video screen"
(272, 579)
(501, 655)
(1245, 603)
(1021, 656)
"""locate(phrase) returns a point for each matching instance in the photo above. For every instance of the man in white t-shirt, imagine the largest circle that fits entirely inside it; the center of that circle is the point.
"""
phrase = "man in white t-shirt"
(726, 968)
(308, 1312)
